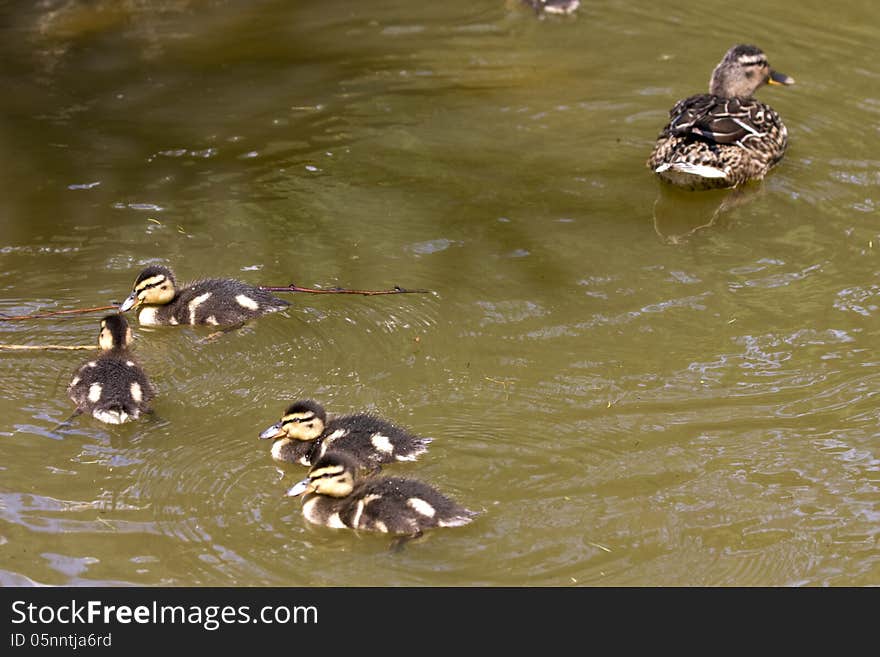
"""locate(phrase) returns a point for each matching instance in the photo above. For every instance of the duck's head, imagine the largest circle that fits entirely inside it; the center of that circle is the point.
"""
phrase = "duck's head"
(303, 420)
(333, 475)
(115, 333)
(154, 286)
(742, 71)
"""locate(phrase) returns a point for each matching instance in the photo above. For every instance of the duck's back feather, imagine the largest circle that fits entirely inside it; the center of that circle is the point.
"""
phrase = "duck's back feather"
(713, 142)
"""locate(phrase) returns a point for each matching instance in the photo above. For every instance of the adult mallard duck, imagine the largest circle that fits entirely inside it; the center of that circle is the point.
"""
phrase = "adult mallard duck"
(304, 434)
(334, 497)
(726, 137)
(211, 301)
(113, 387)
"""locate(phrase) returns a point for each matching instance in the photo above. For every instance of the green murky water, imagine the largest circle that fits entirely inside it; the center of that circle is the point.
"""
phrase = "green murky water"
(632, 387)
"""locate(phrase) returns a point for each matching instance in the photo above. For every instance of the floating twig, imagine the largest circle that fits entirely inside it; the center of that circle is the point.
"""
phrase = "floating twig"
(53, 313)
(45, 347)
(340, 290)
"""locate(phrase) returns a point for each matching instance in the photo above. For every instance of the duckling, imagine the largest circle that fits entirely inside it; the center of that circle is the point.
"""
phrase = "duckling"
(113, 387)
(334, 497)
(213, 301)
(726, 137)
(303, 435)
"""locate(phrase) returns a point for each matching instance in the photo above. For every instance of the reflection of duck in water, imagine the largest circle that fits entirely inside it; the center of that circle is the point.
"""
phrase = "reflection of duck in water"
(212, 301)
(680, 215)
(726, 137)
(334, 497)
(113, 388)
(541, 7)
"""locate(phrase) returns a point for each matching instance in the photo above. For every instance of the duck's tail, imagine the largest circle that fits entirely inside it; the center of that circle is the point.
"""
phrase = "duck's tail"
(692, 176)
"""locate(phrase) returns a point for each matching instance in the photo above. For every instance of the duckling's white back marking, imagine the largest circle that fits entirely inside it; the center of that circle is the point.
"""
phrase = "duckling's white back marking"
(357, 512)
(147, 316)
(325, 444)
(136, 392)
(111, 417)
(210, 319)
(92, 363)
(335, 522)
(95, 392)
(339, 433)
(381, 526)
(195, 303)
(173, 321)
(419, 505)
(130, 363)
(75, 381)
(245, 301)
(277, 446)
(361, 505)
(382, 443)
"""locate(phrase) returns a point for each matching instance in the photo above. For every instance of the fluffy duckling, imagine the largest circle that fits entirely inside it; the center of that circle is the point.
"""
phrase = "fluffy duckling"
(334, 497)
(113, 387)
(726, 137)
(304, 434)
(213, 301)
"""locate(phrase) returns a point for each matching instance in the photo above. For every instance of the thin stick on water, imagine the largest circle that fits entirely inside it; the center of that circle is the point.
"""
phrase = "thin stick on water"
(340, 290)
(47, 347)
(53, 313)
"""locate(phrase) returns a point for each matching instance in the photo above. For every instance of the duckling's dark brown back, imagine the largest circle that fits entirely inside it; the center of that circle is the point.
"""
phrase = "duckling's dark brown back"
(371, 440)
(405, 506)
(112, 383)
(218, 302)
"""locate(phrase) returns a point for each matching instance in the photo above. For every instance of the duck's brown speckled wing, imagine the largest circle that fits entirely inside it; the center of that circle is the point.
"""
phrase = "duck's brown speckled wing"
(722, 120)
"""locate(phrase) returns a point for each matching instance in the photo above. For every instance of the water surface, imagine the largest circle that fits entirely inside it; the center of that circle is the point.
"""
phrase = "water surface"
(632, 387)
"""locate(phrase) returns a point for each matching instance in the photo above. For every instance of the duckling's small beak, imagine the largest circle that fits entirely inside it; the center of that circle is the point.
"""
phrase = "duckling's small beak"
(779, 78)
(275, 431)
(298, 488)
(129, 303)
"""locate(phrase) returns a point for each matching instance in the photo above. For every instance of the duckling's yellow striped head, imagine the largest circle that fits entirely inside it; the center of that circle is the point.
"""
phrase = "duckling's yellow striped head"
(115, 333)
(303, 420)
(155, 286)
(332, 475)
